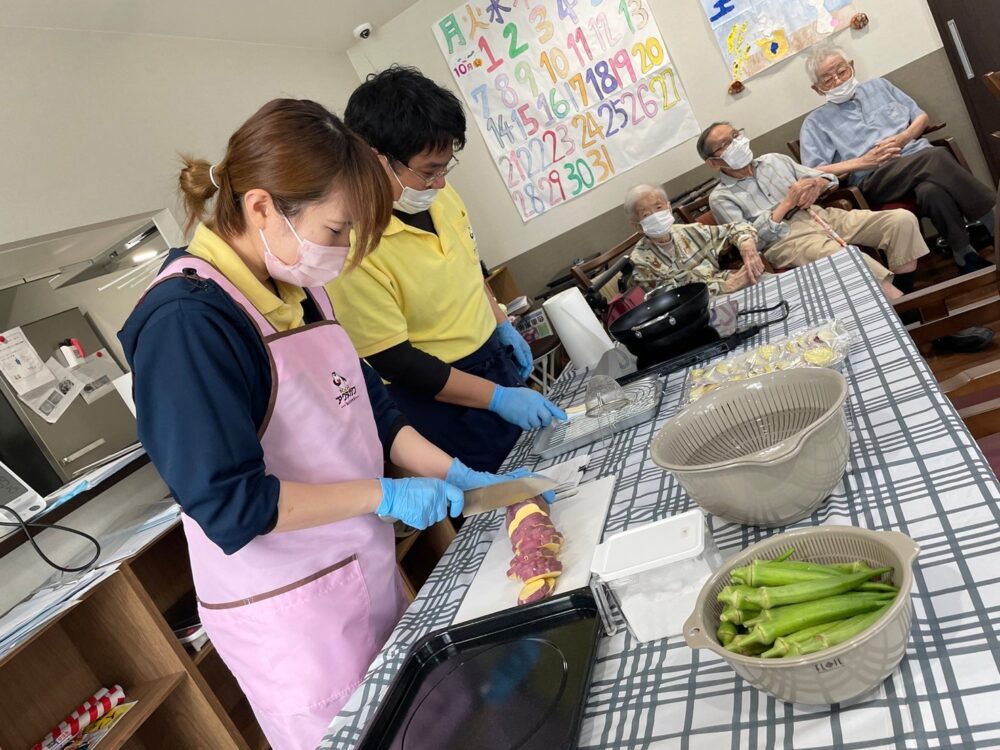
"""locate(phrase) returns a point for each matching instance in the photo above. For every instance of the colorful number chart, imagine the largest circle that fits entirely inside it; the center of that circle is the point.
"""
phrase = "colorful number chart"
(753, 35)
(567, 93)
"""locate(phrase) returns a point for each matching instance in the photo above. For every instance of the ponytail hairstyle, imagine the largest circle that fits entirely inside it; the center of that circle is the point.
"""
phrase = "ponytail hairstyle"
(297, 151)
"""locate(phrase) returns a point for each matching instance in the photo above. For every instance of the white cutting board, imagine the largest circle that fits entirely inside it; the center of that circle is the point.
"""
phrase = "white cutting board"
(581, 521)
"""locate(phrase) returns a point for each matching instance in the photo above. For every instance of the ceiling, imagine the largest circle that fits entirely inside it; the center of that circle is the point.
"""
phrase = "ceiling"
(323, 24)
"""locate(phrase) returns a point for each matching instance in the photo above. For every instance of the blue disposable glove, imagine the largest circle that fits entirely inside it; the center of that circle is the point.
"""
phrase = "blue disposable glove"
(524, 407)
(522, 352)
(418, 501)
(465, 478)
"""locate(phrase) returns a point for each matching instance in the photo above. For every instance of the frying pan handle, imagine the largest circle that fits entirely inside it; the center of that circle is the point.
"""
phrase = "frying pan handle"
(637, 330)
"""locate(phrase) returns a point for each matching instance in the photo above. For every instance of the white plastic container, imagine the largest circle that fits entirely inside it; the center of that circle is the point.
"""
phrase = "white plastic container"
(655, 573)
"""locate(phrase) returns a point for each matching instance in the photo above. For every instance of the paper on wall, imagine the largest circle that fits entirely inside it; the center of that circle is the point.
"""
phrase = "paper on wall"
(97, 375)
(20, 363)
(52, 400)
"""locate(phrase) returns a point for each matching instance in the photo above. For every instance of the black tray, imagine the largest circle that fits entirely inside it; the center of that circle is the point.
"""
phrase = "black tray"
(515, 679)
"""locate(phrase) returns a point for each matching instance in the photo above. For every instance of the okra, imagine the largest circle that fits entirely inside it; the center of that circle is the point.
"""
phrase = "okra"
(775, 573)
(781, 645)
(836, 634)
(767, 597)
(738, 596)
(782, 621)
(737, 616)
(726, 632)
(751, 649)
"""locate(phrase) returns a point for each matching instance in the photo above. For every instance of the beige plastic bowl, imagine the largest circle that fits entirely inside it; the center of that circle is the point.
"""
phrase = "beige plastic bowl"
(839, 673)
(764, 452)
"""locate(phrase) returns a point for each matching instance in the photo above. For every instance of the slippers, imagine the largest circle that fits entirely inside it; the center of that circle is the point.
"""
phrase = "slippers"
(972, 339)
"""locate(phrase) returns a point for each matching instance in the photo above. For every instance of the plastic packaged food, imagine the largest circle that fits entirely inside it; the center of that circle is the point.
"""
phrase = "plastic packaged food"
(822, 345)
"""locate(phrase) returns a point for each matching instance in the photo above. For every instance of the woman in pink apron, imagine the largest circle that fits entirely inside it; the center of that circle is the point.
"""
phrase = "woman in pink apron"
(269, 430)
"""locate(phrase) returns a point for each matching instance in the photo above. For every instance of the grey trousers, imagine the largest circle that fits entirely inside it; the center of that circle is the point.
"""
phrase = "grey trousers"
(945, 192)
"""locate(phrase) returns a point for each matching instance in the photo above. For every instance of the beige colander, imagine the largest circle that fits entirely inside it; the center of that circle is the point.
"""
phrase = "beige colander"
(765, 451)
(839, 673)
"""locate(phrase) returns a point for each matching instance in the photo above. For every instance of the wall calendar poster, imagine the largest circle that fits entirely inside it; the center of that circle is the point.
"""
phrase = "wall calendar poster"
(567, 93)
(753, 35)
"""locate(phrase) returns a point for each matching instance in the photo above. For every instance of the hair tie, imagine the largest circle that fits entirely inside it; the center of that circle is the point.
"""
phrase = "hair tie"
(211, 176)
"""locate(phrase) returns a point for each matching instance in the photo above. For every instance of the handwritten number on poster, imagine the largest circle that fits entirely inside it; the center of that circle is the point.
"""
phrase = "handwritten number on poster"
(567, 94)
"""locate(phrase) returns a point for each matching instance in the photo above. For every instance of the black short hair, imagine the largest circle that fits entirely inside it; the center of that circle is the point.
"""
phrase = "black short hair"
(401, 113)
(703, 151)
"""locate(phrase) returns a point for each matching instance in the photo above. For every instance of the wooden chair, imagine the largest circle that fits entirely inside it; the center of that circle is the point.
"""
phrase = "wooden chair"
(992, 81)
(594, 274)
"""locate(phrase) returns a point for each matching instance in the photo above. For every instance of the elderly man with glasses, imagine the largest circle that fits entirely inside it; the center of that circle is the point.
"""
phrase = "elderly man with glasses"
(418, 308)
(778, 196)
(870, 134)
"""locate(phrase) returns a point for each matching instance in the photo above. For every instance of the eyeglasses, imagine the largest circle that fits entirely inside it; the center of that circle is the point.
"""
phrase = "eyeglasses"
(728, 142)
(429, 180)
(837, 77)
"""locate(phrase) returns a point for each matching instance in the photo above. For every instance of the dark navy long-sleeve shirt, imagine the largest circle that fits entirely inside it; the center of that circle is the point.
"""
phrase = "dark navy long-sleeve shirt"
(202, 381)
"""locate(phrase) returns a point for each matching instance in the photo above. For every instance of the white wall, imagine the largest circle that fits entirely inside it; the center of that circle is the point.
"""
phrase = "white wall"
(901, 31)
(91, 122)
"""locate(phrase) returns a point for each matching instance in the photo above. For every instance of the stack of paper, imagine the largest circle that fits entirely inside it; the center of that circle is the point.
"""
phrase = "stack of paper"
(46, 603)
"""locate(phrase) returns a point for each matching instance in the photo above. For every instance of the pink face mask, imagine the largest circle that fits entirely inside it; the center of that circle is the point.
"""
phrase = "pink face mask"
(315, 266)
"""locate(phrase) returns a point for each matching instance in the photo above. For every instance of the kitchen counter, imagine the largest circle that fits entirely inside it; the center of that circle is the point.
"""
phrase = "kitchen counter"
(913, 467)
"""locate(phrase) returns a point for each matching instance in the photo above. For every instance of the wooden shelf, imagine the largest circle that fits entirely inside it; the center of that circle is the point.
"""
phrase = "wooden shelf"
(199, 656)
(150, 696)
(405, 544)
(244, 719)
(117, 634)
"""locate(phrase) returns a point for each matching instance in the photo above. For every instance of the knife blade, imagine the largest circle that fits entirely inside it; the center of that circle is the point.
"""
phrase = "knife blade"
(502, 494)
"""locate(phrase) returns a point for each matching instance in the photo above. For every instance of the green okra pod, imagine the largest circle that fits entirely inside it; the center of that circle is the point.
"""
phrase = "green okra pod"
(836, 634)
(782, 621)
(738, 616)
(767, 597)
(782, 644)
(726, 632)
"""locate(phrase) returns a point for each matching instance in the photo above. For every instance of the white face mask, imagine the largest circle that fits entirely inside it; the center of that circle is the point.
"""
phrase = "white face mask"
(844, 92)
(738, 153)
(413, 201)
(658, 224)
(315, 265)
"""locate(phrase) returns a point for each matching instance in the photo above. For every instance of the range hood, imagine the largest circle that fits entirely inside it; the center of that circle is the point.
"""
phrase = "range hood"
(90, 251)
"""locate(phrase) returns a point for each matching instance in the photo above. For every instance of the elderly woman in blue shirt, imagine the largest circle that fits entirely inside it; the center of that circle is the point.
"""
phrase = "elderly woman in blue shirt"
(869, 133)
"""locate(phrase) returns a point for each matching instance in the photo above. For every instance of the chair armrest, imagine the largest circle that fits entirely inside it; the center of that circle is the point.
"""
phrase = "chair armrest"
(849, 193)
(952, 145)
(597, 283)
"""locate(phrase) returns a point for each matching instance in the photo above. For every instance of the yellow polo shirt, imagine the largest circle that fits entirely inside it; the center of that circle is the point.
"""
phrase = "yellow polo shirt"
(284, 312)
(420, 286)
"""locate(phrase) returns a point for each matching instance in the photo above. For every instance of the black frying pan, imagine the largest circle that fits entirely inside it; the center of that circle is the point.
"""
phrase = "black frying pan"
(676, 313)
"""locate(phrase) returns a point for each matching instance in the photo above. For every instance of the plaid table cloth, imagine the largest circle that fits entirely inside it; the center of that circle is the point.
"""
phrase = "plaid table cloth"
(913, 467)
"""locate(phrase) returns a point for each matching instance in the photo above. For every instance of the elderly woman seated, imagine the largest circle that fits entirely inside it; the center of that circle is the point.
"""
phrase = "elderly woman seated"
(671, 254)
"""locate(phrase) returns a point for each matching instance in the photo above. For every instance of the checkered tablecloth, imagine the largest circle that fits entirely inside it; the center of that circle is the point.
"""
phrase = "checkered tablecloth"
(913, 467)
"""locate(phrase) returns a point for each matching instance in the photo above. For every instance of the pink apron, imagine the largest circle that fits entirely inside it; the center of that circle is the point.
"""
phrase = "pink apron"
(298, 616)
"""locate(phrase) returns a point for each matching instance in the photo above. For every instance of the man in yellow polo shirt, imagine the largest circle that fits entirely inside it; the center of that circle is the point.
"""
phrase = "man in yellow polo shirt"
(418, 308)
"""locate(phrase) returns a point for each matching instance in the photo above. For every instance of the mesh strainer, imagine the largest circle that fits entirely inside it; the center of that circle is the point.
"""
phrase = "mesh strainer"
(765, 451)
(844, 671)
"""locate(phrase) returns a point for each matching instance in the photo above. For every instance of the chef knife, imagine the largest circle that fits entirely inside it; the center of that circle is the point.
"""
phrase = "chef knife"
(502, 494)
